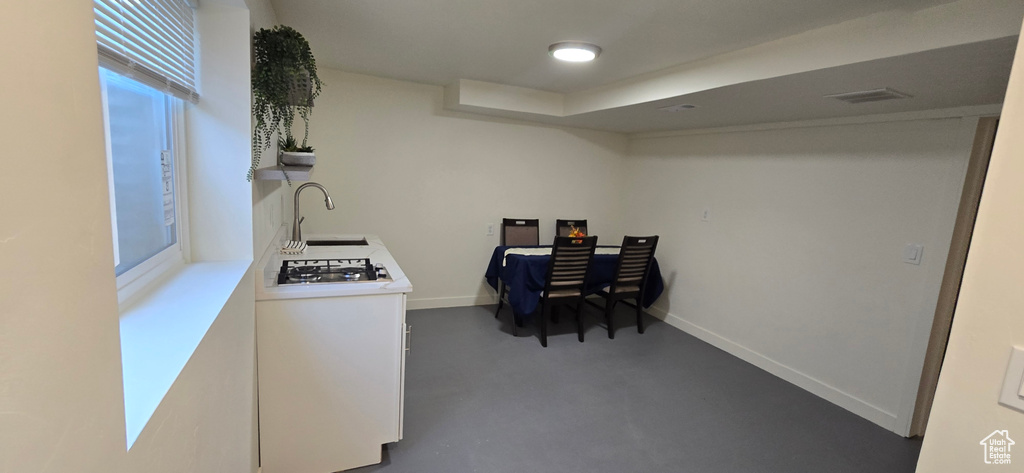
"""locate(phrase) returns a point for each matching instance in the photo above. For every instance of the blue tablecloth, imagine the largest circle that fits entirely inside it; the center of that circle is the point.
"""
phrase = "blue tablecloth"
(524, 276)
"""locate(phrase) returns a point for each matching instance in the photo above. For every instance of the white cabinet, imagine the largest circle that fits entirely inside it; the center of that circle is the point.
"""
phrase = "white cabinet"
(331, 374)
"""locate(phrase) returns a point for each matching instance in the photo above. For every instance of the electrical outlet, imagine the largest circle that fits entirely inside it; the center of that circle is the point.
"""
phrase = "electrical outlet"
(705, 216)
(1012, 394)
(490, 229)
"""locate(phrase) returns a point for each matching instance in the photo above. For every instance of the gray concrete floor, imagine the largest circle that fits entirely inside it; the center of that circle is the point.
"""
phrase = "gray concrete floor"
(480, 400)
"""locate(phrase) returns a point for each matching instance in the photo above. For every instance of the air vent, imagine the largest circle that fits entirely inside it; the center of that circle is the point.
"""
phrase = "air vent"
(876, 95)
(678, 108)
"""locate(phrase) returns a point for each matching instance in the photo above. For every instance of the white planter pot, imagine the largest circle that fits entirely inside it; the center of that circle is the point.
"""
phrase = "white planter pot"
(293, 158)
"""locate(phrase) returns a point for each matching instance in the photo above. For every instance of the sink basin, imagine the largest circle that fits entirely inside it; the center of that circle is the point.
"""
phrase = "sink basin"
(360, 242)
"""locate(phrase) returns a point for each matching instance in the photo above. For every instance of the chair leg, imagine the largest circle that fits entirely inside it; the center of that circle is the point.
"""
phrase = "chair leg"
(579, 319)
(609, 306)
(543, 321)
(516, 321)
(501, 297)
(639, 316)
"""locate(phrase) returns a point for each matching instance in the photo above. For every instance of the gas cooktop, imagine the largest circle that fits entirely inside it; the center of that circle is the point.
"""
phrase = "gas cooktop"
(322, 271)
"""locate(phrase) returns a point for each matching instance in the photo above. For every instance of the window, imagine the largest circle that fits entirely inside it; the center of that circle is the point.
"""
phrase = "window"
(142, 167)
(147, 70)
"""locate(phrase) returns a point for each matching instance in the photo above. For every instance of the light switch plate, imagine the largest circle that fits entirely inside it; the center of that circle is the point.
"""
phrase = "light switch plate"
(1012, 396)
(705, 216)
(912, 253)
(490, 229)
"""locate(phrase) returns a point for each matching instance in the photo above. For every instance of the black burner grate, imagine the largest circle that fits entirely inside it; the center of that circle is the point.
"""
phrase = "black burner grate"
(306, 271)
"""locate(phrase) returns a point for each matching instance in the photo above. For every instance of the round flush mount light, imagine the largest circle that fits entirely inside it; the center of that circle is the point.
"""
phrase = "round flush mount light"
(574, 51)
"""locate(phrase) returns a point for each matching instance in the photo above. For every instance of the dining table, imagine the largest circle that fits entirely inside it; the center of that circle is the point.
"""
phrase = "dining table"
(524, 270)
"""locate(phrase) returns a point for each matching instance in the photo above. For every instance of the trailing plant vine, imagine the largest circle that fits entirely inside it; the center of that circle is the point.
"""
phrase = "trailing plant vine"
(284, 82)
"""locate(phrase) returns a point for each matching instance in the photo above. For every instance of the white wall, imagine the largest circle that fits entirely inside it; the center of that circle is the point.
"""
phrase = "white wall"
(267, 196)
(799, 268)
(61, 395)
(207, 420)
(428, 181)
(988, 320)
(60, 366)
(218, 137)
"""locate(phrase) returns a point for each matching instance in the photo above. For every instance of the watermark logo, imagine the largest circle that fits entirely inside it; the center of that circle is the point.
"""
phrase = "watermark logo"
(997, 447)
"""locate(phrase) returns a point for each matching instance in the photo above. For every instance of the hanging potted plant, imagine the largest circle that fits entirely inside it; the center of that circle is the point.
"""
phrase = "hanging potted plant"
(284, 83)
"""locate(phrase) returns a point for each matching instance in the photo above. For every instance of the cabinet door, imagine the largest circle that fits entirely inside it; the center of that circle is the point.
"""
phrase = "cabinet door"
(329, 381)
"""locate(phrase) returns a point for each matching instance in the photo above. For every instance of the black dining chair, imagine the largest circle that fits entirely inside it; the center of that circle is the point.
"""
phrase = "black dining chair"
(630, 278)
(520, 232)
(516, 232)
(566, 279)
(563, 227)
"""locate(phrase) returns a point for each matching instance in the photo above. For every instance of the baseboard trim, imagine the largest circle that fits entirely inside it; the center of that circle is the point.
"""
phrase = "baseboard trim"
(808, 383)
(441, 302)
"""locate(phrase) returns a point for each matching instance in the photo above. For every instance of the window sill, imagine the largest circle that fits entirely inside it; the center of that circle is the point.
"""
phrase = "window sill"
(161, 328)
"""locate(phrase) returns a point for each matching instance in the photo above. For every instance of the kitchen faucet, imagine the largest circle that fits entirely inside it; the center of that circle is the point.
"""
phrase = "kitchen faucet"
(296, 229)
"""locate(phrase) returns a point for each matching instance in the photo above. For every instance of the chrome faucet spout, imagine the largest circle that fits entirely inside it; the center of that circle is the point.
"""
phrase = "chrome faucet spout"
(297, 222)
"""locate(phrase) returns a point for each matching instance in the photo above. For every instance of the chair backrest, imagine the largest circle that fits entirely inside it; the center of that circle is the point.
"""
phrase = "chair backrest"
(635, 258)
(570, 261)
(563, 227)
(520, 231)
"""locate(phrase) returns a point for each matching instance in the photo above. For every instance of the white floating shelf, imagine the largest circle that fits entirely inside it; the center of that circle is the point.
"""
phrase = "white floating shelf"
(277, 173)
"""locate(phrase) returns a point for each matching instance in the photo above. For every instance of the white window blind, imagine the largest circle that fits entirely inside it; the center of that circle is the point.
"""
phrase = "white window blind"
(151, 41)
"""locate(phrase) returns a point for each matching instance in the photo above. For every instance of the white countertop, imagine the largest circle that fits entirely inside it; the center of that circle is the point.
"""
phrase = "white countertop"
(269, 265)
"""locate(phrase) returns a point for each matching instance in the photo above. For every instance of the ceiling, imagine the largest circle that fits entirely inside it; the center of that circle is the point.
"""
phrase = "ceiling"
(505, 42)
(979, 77)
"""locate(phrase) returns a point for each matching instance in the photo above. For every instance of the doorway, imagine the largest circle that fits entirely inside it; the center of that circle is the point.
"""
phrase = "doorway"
(974, 182)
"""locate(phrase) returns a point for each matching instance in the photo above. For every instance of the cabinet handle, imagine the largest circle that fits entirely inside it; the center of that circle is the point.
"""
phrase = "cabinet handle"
(408, 338)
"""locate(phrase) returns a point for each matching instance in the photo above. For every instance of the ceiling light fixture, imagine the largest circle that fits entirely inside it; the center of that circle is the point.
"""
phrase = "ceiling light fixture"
(574, 51)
